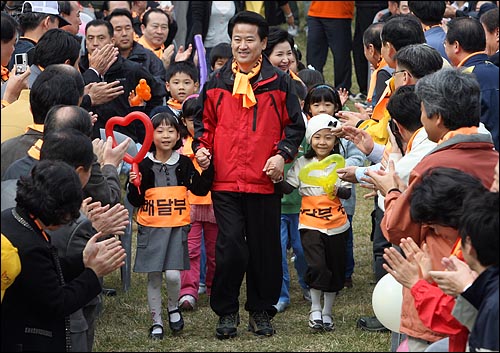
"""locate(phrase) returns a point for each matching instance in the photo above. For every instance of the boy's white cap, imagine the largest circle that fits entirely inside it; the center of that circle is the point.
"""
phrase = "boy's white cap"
(319, 122)
(46, 7)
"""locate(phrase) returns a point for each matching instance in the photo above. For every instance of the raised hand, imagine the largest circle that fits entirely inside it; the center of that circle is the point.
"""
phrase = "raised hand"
(103, 92)
(102, 59)
(105, 256)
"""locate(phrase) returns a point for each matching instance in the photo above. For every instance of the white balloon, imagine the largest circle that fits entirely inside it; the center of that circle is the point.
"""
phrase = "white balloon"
(387, 299)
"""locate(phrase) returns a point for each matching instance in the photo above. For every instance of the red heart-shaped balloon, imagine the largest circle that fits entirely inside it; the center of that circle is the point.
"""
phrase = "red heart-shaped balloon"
(148, 139)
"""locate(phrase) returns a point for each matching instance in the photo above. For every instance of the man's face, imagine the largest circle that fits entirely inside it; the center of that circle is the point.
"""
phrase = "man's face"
(430, 125)
(73, 18)
(491, 41)
(246, 45)
(387, 51)
(123, 32)
(156, 32)
(400, 76)
(97, 37)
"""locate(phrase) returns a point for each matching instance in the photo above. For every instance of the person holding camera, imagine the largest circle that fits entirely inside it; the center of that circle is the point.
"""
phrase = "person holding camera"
(14, 81)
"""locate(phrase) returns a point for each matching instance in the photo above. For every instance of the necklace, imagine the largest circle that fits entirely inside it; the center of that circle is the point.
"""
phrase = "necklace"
(21, 220)
(24, 223)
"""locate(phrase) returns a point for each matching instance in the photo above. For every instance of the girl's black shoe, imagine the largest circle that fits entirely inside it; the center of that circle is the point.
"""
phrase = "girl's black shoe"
(156, 336)
(176, 326)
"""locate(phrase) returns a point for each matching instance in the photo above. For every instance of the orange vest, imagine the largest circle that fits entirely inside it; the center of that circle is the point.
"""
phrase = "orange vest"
(321, 212)
(373, 79)
(376, 126)
(165, 207)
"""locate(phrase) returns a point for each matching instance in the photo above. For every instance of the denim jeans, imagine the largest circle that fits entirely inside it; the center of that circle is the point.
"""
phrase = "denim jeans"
(349, 255)
(290, 232)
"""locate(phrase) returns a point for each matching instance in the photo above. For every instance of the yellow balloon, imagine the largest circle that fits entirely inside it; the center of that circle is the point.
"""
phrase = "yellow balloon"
(325, 181)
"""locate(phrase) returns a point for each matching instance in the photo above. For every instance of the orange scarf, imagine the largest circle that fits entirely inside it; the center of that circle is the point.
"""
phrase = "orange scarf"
(460, 131)
(294, 76)
(242, 86)
(174, 103)
(410, 142)
(5, 74)
(34, 151)
(158, 51)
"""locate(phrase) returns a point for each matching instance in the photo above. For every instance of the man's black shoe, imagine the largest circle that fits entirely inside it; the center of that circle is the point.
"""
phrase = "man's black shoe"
(227, 327)
(259, 323)
(109, 292)
(371, 324)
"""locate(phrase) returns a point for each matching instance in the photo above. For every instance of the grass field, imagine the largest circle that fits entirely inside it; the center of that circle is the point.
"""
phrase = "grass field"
(124, 322)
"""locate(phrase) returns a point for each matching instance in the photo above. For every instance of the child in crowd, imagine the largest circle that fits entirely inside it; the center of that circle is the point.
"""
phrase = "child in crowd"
(311, 77)
(182, 80)
(219, 55)
(163, 219)
(203, 224)
(325, 99)
(323, 237)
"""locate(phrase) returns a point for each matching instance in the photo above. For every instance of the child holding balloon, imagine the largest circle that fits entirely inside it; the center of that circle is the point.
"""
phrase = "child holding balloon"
(323, 222)
(323, 98)
(163, 218)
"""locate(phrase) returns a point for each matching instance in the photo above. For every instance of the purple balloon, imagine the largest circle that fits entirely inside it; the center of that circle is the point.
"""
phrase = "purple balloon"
(202, 62)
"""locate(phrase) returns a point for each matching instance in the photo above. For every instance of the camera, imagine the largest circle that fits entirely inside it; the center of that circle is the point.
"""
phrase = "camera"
(21, 63)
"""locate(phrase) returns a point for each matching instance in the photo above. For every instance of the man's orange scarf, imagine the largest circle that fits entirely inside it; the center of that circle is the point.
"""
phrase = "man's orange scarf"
(242, 86)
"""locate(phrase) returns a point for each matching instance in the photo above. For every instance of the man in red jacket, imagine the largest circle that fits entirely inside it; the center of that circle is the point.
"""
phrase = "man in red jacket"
(250, 124)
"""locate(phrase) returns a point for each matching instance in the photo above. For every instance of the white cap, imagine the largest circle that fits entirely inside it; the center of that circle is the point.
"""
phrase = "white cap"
(319, 122)
(46, 7)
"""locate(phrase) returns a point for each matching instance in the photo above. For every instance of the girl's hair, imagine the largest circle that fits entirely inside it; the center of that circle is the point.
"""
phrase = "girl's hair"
(319, 93)
(311, 77)
(167, 119)
(190, 107)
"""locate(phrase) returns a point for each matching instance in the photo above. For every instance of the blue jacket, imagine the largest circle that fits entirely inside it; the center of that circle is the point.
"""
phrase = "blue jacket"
(487, 76)
(483, 295)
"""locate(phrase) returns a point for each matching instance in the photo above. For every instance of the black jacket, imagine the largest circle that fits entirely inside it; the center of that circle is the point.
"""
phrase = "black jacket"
(36, 304)
(149, 61)
(186, 175)
(128, 73)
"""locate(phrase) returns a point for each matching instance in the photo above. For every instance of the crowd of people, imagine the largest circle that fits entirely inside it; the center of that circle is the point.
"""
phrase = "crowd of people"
(253, 155)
